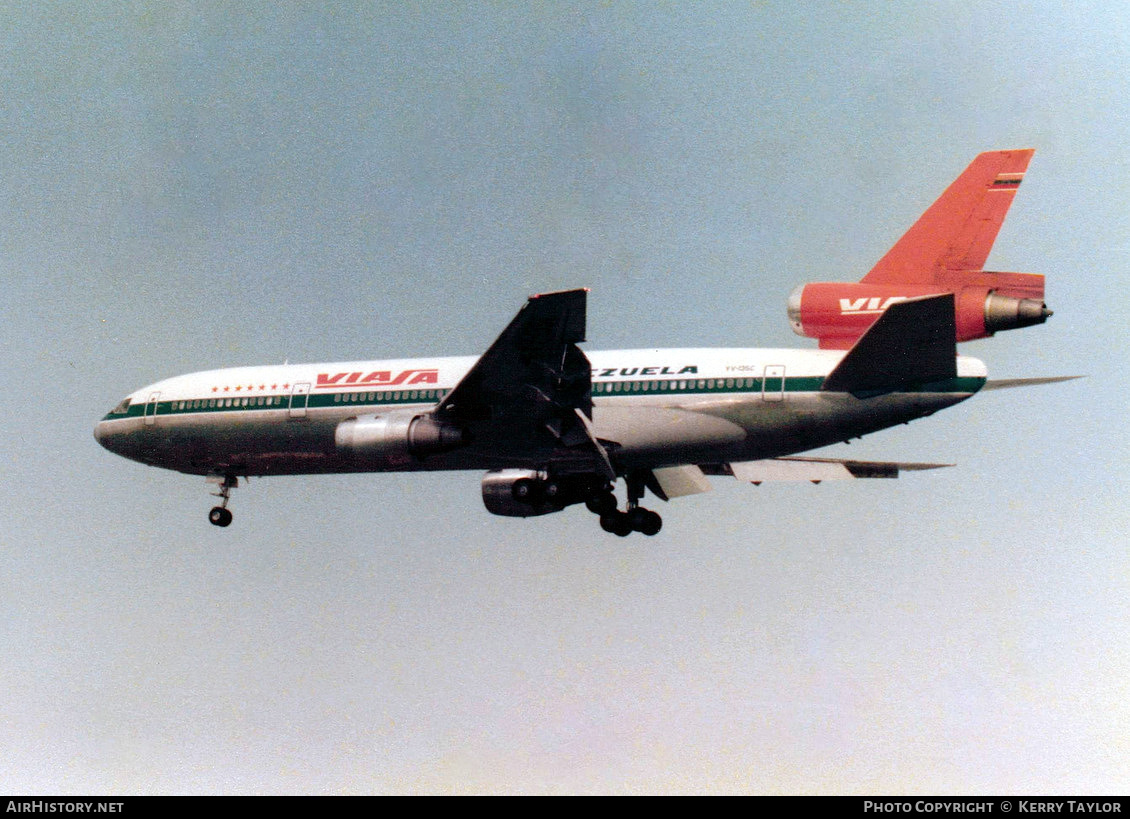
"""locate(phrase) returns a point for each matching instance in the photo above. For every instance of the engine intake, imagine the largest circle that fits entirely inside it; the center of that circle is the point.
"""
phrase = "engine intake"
(396, 438)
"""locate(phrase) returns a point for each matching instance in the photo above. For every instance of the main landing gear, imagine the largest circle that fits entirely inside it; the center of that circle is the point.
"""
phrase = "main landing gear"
(634, 519)
(221, 515)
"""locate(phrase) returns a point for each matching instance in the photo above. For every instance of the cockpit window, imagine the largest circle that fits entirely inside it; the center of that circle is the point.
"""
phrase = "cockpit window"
(122, 408)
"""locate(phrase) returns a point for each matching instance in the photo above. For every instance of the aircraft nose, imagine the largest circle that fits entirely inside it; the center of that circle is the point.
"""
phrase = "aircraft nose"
(114, 440)
(103, 435)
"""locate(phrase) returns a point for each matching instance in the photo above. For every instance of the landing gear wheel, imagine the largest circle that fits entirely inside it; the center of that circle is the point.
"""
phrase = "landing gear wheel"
(602, 504)
(645, 521)
(616, 523)
(220, 516)
(652, 523)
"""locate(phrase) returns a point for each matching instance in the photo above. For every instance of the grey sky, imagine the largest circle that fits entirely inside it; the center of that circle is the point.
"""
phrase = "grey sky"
(187, 186)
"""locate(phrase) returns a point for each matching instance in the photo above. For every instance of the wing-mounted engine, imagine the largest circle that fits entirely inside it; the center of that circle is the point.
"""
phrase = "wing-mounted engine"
(396, 438)
(526, 493)
(943, 252)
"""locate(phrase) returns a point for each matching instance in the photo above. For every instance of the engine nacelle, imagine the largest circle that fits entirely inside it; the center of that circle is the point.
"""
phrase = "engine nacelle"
(519, 493)
(839, 313)
(396, 437)
(525, 493)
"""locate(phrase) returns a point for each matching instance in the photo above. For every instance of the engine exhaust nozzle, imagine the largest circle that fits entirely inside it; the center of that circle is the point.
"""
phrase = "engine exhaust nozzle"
(1007, 313)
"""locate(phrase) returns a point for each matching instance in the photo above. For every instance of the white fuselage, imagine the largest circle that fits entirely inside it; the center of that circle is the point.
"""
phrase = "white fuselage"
(661, 407)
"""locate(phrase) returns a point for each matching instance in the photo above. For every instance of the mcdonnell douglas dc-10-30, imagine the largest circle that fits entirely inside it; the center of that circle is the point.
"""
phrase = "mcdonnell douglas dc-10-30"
(554, 426)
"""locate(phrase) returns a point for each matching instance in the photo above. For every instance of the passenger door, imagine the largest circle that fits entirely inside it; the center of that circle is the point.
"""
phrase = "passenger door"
(773, 385)
(299, 396)
(151, 408)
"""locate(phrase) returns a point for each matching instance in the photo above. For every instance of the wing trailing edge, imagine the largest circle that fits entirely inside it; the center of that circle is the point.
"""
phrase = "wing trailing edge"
(680, 481)
(815, 469)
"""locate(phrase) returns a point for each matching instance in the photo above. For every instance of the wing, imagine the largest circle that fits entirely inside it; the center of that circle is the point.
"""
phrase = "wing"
(676, 481)
(819, 469)
(528, 399)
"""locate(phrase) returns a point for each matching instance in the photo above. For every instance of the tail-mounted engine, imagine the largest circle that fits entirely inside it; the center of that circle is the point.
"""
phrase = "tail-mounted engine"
(839, 313)
(397, 437)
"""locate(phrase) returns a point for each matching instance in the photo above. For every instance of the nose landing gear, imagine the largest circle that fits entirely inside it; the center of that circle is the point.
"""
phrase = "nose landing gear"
(221, 515)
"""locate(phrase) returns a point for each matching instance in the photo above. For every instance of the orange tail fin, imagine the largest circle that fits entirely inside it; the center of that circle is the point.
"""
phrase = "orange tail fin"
(957, 232)
(943, 252)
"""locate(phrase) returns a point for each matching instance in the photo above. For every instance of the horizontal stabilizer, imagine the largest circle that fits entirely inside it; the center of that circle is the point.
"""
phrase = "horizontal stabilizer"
(1009, 383)
(911, 343)
(814, 469)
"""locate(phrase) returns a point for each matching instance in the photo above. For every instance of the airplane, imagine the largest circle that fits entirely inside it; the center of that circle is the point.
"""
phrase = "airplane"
(554, 426)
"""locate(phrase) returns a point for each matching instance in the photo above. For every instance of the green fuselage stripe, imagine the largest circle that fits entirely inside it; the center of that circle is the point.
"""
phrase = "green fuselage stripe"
(600, 389)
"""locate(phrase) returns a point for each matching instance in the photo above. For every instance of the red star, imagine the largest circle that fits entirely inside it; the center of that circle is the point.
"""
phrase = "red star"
(238, 388)
(226, 389)
(215, 389)
(250, 386)
(286, 386)
(262, 387)
(274, 386)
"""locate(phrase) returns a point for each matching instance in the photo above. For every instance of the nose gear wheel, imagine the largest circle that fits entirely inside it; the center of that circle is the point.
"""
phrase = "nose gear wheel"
(221, 515)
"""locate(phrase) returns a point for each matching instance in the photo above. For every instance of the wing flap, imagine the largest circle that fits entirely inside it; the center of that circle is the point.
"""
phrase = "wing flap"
(679, 481)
